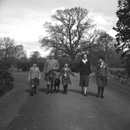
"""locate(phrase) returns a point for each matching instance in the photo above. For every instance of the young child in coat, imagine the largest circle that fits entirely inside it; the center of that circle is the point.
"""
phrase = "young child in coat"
(65, 73)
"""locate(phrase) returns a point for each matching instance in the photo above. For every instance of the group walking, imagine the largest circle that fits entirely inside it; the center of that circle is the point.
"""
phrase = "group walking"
(52, 77)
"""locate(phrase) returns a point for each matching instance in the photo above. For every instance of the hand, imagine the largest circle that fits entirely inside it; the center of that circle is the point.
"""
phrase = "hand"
(29, 78)
(76, 74)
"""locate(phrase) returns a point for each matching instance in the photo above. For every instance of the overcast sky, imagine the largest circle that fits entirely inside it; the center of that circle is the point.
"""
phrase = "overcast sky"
(22, 20)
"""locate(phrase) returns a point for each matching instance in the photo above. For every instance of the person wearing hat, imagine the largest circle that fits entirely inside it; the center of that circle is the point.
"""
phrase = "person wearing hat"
(50, 68)
(101, 75)
(34, 77)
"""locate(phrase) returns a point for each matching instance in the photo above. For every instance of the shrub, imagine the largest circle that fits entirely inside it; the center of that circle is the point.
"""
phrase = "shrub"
(6, 81)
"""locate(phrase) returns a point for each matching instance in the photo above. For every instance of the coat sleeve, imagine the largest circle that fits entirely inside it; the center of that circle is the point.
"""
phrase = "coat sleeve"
(39, 73)
(61, 72)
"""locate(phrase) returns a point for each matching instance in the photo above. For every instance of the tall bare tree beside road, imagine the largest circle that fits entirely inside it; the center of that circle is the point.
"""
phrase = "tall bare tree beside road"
(69, 33)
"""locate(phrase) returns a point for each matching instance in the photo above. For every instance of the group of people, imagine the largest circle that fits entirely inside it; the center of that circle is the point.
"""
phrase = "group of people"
(52, 77)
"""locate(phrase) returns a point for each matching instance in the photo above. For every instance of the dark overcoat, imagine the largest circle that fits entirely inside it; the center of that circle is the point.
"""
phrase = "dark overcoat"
(84, 71)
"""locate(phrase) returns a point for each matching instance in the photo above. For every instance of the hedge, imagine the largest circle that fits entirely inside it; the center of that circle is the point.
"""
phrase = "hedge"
(6, 81)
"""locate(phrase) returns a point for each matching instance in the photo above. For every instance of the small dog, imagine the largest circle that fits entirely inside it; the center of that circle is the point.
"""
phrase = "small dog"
(57, 85)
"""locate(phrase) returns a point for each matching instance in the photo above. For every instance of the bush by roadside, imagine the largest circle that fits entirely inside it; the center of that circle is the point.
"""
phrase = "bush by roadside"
(6, 81)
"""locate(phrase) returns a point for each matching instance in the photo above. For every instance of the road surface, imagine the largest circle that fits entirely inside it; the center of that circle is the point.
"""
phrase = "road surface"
(73, 111)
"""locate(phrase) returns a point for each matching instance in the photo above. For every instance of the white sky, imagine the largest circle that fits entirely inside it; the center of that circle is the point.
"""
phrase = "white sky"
(22, 20)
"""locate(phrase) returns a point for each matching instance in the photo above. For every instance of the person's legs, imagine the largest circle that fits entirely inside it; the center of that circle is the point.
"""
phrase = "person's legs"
(85, 90)
(55, 88)
(86, 84)
(102, 91)
(51, 87)
(98, 94)
(63, 88)
(35, 88)
(82, 89)
(32, 90)
(48, 87)
(66, 87)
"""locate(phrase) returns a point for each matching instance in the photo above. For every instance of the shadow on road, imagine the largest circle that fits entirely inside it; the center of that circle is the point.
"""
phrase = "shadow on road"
(79, 92)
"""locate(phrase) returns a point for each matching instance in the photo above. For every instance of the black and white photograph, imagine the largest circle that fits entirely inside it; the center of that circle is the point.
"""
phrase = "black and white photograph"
(64, 64)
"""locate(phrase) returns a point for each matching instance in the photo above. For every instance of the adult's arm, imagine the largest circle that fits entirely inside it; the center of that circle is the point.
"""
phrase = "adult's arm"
(57, 65)
(39, 73)
(29, 75)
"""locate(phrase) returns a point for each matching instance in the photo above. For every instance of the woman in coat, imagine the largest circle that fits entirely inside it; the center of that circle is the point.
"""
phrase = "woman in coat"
(50, 68)
(85, 71)
(34, 77)
(101, 76)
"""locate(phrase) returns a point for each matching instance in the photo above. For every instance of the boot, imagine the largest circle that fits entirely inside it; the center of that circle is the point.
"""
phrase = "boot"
(51, 89)
(66, 87)
(54, 88)
(63, 89)
(102, 91)
(98, 94)
(82, 89)
(35, 87)
(47, 89)
(32, 91)
(57, 89)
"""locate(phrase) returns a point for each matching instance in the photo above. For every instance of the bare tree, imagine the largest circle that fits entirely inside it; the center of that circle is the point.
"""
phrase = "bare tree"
(71, 33)
(6, 48)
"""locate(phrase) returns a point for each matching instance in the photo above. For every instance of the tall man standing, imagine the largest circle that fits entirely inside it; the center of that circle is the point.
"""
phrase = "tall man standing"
(50, 68)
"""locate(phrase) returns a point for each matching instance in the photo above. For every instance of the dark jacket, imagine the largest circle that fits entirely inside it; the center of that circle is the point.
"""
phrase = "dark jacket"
(84, 68)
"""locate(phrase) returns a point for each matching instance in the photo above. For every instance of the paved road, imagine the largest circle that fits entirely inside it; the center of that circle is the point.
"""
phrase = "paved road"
(74, 111)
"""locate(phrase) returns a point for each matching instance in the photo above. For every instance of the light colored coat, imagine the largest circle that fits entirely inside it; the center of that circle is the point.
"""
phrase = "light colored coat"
(34, 73)
(51, 65)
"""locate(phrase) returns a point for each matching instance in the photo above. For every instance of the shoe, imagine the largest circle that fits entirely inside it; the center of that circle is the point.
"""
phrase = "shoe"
(102, 96)
(85, 94)
(63, 92)
(51, 92)
(47, 92)
(31, 94)
(97, 95)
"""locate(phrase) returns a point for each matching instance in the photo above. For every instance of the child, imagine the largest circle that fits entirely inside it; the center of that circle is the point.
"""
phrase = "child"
(34, 77)
(65, 72)
(101, 76)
